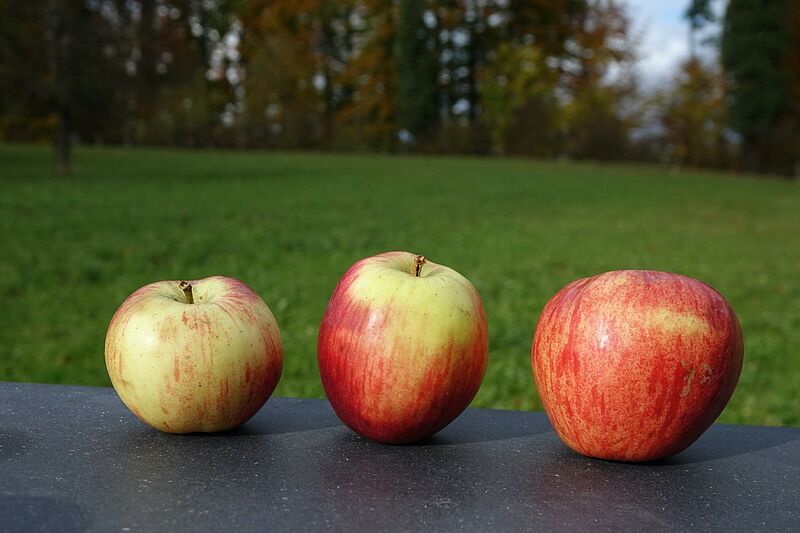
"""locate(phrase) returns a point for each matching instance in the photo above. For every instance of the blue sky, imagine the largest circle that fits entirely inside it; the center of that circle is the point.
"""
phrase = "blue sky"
(664, 37)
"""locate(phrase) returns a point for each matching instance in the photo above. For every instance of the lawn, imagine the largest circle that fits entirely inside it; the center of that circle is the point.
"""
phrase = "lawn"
(290, 224)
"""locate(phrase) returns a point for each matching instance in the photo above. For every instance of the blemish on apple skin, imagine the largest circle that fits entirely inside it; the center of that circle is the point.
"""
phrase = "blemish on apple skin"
(176, 369)
(687, 387)
(708, 373)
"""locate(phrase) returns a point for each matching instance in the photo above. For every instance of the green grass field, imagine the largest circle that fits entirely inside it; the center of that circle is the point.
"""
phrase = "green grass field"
(290, 224)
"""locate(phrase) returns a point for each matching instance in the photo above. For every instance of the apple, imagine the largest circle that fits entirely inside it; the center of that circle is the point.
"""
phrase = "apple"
(194, 356)
(402, 348)
(635, 365)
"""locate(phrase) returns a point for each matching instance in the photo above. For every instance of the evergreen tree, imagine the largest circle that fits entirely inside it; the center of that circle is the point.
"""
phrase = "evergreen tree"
(698, 14)
(755, 48)
(417, 69)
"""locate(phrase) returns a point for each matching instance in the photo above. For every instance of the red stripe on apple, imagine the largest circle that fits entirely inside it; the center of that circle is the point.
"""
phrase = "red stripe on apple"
(402, 347)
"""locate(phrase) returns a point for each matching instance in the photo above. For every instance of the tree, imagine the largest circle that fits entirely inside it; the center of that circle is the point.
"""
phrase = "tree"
(282, 56)
(369, 117)
(417, 69)
(756, 48)
(699, 13)
(692, 116)
(53, 69)
(479, 42)
(598, 81)
(518, 101)
(179, 69)
(150, 71)
(25, 110)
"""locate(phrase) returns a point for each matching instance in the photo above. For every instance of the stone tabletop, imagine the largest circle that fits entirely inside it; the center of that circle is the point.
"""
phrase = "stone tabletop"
(75, 459)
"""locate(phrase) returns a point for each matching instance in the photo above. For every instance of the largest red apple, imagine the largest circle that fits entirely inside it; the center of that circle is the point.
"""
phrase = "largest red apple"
(635, 365)
(402, 347)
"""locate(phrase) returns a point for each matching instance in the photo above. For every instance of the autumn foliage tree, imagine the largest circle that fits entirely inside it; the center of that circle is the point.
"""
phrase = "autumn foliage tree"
(551, 78)
(692, 114)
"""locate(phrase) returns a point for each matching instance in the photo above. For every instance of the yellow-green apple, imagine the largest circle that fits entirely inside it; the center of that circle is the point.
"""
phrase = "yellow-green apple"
(194, 356)
(635, 365)
(402, 347)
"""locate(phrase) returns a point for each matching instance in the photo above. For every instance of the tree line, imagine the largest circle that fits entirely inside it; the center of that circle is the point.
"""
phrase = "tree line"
(551, 78)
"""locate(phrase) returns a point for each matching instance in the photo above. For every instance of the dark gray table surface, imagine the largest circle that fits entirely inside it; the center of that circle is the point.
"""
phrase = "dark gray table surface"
(74, 459)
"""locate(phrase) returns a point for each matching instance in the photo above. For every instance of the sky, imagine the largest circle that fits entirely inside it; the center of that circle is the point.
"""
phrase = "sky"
(664, 35)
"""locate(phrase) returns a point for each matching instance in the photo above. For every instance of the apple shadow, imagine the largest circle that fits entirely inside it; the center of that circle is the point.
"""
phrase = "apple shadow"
(487, 425)
(372, 471)
(279, 416)
(287, 415)
(722, 441)
(482, 426)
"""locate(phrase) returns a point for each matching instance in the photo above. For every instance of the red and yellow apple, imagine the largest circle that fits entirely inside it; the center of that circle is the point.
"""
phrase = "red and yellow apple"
(402, 348)
(196, 356)
(635, 365)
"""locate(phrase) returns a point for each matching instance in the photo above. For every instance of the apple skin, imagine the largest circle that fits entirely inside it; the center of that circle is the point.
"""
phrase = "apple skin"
(186, 367)
(400, 355)
(635, 365)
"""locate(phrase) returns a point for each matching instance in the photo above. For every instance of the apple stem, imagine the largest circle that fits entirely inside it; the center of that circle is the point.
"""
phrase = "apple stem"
(186, 287)
(420, 261)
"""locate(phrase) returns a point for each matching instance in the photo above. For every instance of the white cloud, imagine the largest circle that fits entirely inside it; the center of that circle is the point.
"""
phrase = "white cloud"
(664, 36)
